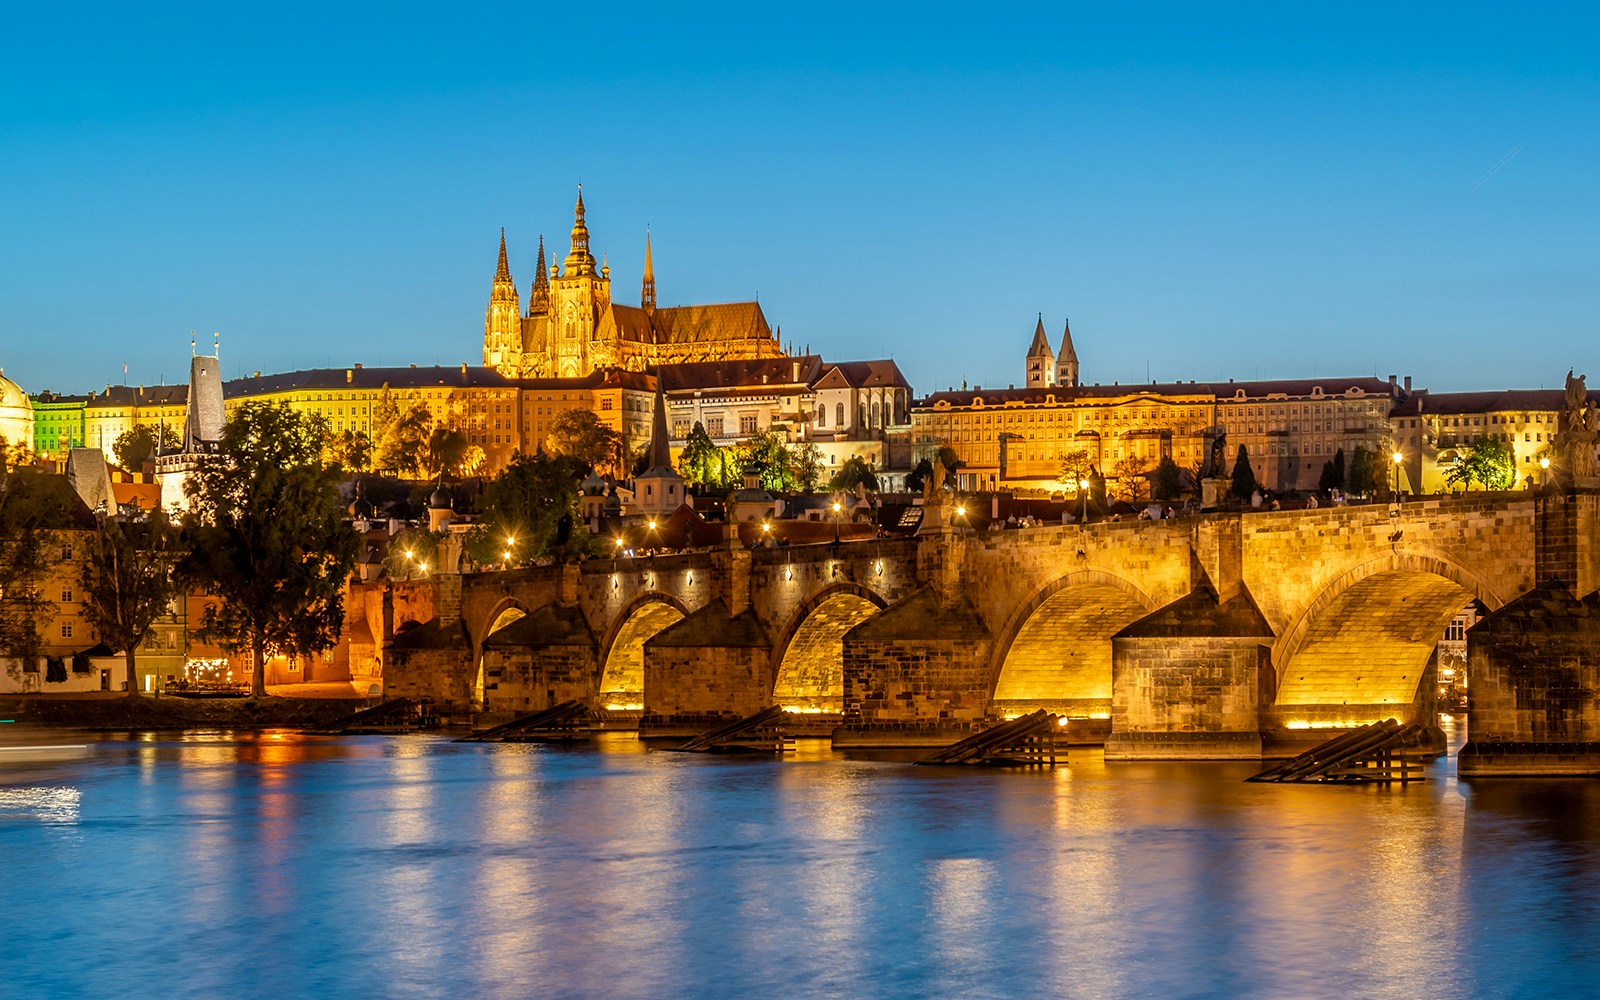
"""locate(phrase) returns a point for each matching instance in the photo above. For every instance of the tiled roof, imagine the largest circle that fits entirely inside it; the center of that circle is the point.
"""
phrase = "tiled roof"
(727, 321)
(1221, 391)
(413, 377)
(1494, 401)
(862, 375)
(741, 372)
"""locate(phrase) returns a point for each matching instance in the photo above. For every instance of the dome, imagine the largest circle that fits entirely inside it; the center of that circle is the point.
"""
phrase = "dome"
(440, 499)
(16, 414)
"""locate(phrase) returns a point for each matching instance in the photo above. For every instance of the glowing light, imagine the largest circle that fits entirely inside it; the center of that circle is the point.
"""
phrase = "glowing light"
(1099, 715)
(507, 554)
(424, 567)
(1398, 458)
(652, 524)
(1062, 722)
(1544, 463)
(629, 706)
(803, 709)
(837, 507)
(1323, 724)
(877, 567)
(1083, 484)
(765, 526)
(691, 576)
(788, 572)
(619, 543)
(961, 510)
(408, 553)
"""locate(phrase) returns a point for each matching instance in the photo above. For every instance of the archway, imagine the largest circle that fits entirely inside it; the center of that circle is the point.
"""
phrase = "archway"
(1059, 656)
(622, 670)
(810, 675)
(508, 613)
(1361, 651)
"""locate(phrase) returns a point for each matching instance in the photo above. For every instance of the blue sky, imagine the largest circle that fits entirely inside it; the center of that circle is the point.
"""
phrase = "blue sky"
(1206, 191)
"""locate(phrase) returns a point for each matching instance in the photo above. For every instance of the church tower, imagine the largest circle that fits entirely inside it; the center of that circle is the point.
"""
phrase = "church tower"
(647, 297)
(1067, 360)
(1041, 359)
(502, 321)
(539, 294)
(577, 298)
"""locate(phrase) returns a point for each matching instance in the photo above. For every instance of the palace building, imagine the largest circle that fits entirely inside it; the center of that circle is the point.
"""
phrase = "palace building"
(572, 327)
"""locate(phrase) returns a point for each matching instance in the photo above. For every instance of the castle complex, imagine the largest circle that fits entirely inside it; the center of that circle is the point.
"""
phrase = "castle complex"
(571, 327)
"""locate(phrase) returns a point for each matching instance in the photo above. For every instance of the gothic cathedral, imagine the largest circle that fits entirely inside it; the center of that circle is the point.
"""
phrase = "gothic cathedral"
(571, 327)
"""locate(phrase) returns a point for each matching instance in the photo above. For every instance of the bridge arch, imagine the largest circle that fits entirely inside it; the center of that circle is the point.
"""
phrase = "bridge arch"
(622, 648)
(507, 611)
(1366, 639)
(1055, 649)
(809, 655)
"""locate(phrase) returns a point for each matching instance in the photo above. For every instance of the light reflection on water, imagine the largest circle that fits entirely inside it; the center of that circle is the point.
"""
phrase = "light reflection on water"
(277, 865)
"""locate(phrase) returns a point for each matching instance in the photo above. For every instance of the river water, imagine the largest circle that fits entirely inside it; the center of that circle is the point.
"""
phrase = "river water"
(277, 865)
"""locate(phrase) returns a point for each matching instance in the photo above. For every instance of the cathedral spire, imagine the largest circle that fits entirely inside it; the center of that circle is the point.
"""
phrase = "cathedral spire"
(1041, 359)
(539, 294)
(1067, 360)
(580, 260)
(503, 271)
(648, 296)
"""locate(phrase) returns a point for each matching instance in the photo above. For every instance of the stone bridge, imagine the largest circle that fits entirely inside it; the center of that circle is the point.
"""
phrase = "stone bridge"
(1193, 637)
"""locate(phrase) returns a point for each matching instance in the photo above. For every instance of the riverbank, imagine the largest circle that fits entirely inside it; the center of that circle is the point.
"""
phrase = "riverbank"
(118, 713)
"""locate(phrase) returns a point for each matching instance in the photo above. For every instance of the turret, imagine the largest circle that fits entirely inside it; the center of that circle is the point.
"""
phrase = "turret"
(1041, 359)
(502, 322)
(539, 293)
(648, 294)
(579, 261)
(1067, 360)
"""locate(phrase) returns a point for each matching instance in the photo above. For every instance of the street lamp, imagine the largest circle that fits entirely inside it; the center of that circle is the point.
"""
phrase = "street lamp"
(1398, 459)
(837, 507)
(1544, 469)
(1083, 494)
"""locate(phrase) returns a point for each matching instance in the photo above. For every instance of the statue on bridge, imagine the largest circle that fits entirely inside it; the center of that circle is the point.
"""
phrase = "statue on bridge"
(933, 484)
(1217, 464)
(1580, 427)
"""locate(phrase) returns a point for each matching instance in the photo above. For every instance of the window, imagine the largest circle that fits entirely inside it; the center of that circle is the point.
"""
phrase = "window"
(822, 415)
(714, 426)
(605, 404)
(838, 414)
(747, 424)
(66, 550)
(66, 630)
(66, 592)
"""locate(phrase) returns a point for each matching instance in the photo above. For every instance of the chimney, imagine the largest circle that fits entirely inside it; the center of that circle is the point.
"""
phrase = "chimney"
(794, 369)
(1392, 380)
(463, 367)
(1408, 383)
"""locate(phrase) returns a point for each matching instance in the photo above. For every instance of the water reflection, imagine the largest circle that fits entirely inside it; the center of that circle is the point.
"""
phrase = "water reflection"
(276, 864)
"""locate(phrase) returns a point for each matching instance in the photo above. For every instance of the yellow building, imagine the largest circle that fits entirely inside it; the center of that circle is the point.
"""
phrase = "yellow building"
(1434, 430)
(572, 327)
(1016, 438)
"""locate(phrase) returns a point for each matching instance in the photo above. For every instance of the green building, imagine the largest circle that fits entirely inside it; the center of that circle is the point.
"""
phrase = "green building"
(58, 423)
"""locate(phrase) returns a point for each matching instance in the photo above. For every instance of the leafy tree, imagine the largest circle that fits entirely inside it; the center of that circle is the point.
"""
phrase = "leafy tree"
(1166, 482)
(446, 452)
(580, 435)
(141, 443)
(384, 414)
(1244, 477)
(1363, 471)
(1489, 462)
(29, 548)
(128, 581)
(265, 534)
(856, 470)
(403, 447)
(1133, 479)
(948, 458)
(766, 454)
(350, 449)
(534, 501)
(808, 467)
(1329, 480)
(1076, 465)
(701, 461)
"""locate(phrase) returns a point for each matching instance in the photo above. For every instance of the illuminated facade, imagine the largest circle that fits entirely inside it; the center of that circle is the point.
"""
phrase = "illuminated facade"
(1432, 431)
(1015, 438)
(16, 415)
(571, 327)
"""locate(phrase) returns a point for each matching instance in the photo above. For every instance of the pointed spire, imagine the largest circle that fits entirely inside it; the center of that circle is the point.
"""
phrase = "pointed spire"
(1067, 350)
(648, 295)
(1041, 342)
(539, 294)
(579, 261)
(503, 271)
(660, 444)
(1067, 360)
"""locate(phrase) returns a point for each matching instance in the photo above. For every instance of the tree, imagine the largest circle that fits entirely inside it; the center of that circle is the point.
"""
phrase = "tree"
(701, 461)
(766, 454)
(29, 517)
(1166, 483)
(1329, 480)
(411, 552)
(446, 452)
(946, 456)
(1244, 477)
(1076, 464)
(534, 502)
(856, 470)
(265, 533)
(403, 447)
(1489, 462)
(1133, 479)
(1363, 471)
(128, 581)
(350, 449)
(141, 443)
(917, 478)
(580, 435)
(808, 467)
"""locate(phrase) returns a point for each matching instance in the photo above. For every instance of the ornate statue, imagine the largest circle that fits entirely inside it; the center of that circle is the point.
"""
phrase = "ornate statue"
(1217, 466)
(1577, 402)
(933, 484)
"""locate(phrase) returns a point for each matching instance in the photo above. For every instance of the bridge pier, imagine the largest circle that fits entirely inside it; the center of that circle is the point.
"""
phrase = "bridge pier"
(705, 671)
(1189, 681)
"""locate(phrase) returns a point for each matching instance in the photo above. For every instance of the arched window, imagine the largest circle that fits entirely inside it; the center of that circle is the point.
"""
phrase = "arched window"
(822, 415)
(877, 413)
(863, 423)
(838, 415)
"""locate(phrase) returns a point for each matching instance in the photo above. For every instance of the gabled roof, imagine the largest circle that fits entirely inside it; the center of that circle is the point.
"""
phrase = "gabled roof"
(862, 375)
(736, 373)
(706, 324)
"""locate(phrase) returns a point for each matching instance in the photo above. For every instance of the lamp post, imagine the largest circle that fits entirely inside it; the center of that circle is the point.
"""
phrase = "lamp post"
(1083, 494)
(1398, 458)
(837, 507)
(1544, 470)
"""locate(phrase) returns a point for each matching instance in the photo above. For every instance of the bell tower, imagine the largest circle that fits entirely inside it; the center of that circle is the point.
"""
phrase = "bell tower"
(577, 295)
